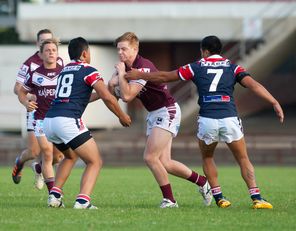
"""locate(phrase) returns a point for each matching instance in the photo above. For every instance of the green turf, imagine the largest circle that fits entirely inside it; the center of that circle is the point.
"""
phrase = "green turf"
(128, 199)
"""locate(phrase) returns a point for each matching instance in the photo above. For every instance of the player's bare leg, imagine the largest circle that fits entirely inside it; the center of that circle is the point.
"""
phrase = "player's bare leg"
(65, 167)
(239, 150)
(47, 158)
(155, 146)
(90, 154)
(179, 169)
(30, 153)
(58, 156)
(63, 171)
(211, 172)
(33, 149)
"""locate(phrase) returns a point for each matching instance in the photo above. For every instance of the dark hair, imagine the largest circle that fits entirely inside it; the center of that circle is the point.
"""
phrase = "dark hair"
(76, 47)
(212, 44)
(44, 31)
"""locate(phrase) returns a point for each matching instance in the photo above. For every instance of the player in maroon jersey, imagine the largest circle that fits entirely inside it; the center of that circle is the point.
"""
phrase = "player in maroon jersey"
(33, 148)
(163, 120)
(215, 78)
(42, 83)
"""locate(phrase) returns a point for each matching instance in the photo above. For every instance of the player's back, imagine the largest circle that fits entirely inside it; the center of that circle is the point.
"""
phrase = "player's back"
(73, 90)
(215, 79)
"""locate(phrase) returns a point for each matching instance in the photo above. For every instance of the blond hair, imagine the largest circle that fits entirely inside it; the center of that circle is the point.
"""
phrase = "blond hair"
(49, 41)
(130, 37)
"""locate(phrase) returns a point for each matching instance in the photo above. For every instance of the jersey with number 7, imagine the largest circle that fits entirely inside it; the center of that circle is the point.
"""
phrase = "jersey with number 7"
(214, 78)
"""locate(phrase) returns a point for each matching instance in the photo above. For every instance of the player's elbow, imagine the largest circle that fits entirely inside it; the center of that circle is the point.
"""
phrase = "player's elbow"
(126, 98)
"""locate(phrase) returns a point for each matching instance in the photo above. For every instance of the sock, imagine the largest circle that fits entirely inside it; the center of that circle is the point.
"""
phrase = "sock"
(83, 198)
(167, 192)
(19, 164)
(255, 193)
(217, 193)
(49, 183)
(197, 179)
(57, 192)
(38, 168)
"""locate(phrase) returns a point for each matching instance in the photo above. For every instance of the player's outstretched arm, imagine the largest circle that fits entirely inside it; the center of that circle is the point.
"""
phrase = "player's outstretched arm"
(157, 77)
(29, 104)
(112, 103)
(261, 91)
(93, 97)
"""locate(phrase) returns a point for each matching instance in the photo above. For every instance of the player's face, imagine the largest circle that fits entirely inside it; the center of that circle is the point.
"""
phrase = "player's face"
(126, 52)
(43, 37)
(50, 53)
(87, 56)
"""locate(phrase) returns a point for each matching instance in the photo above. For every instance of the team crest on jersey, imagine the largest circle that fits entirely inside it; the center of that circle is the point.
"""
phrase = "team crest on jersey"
(40, 80)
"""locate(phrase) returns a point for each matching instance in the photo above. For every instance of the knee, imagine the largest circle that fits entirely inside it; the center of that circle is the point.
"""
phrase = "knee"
(100, 163)
(57, 158)
(167, 165)
(149, 159)
(34, 152)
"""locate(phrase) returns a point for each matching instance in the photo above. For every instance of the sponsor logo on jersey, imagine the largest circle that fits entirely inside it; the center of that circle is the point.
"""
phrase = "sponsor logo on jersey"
(45, 92)
(72, 68)
(216, 98)
(51, 74)
(147, 70)
(23, 70)
(224, 63)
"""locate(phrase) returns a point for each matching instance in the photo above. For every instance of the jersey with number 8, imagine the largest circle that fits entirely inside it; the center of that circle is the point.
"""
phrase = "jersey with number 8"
(214, 78)
(73, 90)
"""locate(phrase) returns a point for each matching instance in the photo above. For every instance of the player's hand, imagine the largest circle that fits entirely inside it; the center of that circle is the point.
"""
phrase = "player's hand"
(114, 81)
(279, 112)
(120, 67)
(133, 74)
(125, 120)
(31, 105)
(31, 97)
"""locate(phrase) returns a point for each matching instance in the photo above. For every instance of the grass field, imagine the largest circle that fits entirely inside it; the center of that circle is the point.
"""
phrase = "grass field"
(128, 199)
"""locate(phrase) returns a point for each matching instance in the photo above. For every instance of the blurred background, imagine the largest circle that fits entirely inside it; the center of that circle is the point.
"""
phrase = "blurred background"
(259, 35)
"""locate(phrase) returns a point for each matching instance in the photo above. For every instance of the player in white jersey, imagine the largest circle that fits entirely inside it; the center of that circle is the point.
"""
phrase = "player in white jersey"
(215, 77)
(33, 148)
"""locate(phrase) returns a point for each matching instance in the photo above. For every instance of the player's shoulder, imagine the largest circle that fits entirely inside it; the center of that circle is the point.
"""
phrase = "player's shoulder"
(33, 58)
(145, 63)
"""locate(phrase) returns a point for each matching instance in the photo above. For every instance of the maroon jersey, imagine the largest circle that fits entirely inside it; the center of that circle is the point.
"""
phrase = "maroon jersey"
(42, 82)
(153, 95)
(30, 65)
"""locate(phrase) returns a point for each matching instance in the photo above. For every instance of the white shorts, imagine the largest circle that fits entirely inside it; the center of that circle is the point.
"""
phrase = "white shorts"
(39, 128)
(30, 121)
(215, 130)
(62, 130)
(167, 118)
